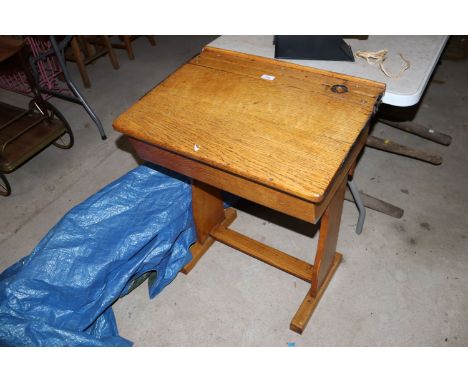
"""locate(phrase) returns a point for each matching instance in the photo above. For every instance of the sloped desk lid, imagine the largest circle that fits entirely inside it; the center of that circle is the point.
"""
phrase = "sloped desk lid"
(276, 123)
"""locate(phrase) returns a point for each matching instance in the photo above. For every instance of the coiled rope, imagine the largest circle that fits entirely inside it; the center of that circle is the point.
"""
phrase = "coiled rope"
(379, 57)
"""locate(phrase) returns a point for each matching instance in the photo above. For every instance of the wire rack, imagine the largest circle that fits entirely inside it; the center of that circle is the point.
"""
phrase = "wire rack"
(47, 64)
(46, 67)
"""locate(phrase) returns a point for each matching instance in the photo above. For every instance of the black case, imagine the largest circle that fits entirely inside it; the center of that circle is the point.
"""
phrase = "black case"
(331, 48)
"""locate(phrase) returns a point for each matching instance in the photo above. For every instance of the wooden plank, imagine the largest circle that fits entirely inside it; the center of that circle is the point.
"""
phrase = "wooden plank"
(308, 305)
(286, 134)
(377, 204)
(420, 130)
(244, 188)
(265, 253)
(395, 148)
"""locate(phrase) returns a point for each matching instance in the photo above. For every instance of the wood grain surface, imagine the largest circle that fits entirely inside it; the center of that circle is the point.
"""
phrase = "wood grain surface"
(290, 132)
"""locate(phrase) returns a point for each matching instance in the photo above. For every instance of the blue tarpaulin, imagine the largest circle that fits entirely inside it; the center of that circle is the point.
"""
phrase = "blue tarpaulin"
(62, 293)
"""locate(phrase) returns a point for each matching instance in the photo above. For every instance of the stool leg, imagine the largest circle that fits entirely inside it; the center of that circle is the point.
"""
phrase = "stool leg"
(128, 47)
(326, 260)
(151, 39)
(79, 61)
(112, 56)
(87, 48)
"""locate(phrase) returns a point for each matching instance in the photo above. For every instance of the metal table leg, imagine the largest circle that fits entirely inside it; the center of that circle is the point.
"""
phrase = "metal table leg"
(359, 204)
(79, 97)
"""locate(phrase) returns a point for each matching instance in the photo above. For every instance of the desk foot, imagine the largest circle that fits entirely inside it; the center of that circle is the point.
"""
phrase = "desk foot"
(198, 249)
(303, 314)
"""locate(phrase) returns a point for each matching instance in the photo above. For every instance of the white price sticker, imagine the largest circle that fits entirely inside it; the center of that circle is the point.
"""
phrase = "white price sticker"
(267, 77)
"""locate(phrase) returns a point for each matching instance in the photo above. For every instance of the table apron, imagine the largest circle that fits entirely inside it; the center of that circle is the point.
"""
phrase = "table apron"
(245, 188)
(234, 184)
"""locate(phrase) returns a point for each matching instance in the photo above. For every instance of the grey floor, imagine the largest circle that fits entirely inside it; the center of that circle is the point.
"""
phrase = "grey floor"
(402, 282)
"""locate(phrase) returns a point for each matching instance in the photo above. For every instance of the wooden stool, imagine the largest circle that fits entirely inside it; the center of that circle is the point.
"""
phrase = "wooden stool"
(126, 43)
(86, 49)
(279, 134)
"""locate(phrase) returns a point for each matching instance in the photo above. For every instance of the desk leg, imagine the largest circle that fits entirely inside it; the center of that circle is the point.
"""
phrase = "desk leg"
(208, 212)
(326, 260)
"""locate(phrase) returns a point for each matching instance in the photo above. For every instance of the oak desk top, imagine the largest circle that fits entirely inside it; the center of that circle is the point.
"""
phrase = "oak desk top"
(276, 123)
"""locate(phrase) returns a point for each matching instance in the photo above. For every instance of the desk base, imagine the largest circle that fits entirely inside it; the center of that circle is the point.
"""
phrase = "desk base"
(303, 314)
(212, 222)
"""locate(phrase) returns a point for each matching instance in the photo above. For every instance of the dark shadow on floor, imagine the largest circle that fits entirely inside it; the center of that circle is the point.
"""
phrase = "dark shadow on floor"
(278, 218)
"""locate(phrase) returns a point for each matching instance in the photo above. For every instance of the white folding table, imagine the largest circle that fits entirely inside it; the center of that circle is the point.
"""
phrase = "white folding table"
(423, 52)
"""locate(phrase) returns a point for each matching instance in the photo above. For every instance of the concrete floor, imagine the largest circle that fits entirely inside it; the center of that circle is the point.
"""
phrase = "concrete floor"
(402, 282)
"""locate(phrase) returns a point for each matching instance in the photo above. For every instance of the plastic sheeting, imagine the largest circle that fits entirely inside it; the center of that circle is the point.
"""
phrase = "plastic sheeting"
(61, 294)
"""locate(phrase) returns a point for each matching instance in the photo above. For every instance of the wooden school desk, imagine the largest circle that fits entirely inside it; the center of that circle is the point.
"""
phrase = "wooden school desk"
(276, 133)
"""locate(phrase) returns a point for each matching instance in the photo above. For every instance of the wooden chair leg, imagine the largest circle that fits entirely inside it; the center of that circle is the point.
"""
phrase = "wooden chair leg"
(79, 61)
(208, 213)
(86, 47)
(128, 46)
(152, 40)
(112, 56)
(326, 260)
